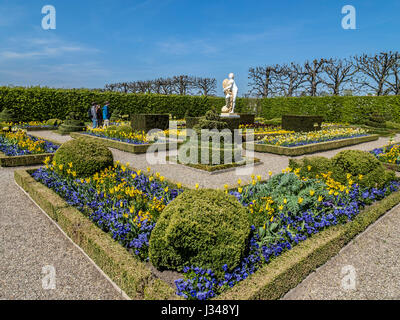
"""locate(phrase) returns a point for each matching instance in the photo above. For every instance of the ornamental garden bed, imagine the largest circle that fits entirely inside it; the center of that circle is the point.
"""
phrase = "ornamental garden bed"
(308, 146)
(389, 155)
(20, 149)
(290, 224)
(138, 148)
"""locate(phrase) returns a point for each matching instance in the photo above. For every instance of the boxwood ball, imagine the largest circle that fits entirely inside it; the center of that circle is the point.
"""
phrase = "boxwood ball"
(203, 228)
(86, 155)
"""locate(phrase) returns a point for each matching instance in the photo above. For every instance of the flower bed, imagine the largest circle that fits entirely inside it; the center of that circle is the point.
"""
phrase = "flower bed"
(285, 210)
(309, 148)
(20, 149)
(19, 143)
(124, 146)
(301, 139)
(127, 137)
(389, 154)
(123, 202)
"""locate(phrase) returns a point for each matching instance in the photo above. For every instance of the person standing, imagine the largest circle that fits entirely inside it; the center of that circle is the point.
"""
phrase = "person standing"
(99, 116)
(93, 110)
(106, 115)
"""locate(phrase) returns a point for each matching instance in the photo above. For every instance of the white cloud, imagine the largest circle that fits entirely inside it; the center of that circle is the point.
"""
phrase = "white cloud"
(26, 48)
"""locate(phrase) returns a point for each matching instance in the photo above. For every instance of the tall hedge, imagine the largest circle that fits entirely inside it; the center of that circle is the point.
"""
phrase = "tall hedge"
(37, 103)
(355, 109)
(40, 104)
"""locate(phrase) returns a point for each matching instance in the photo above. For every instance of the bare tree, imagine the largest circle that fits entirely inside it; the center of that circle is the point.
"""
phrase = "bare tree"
(182, 84)
(261, 80)
(290, 79)
(377, 69)
(393, 82)
(313, 75)
(144, 86)
(338, 74)
(206, 86)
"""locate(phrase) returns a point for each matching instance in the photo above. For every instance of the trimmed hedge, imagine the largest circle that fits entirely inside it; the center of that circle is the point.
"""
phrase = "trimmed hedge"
(39, 104)
(205, 228)
(301, 123)
(147, 122)
(87, 156)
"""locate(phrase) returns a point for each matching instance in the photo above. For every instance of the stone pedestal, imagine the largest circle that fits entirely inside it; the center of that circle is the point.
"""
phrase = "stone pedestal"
(232, 119)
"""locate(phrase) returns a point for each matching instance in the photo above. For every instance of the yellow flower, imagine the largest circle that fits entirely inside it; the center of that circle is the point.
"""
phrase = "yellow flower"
(74, 174)
(320, 198)
(312, 192)
(151, 179)
(270, 173)
(239, 182)
(148, 169)
(125, 215)
(60, 166)
(360, 177)
(309, 168)
(70, 164)
(285, 201)
(226, 187)
(259, 178)
(121, 204)
(166, 189)
(280, 207)
(300, 201)
(348, 176)
(272, 219)
(162, 179)
(179, 185)
(240, 190)
(197, 186)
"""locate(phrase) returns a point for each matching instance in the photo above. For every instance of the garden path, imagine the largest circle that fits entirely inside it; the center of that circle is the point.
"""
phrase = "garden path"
(374, 254)
(190, 177)
(29, 242)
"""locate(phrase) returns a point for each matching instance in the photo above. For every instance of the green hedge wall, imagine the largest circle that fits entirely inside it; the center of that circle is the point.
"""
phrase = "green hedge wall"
(29, 104)
(354, 109)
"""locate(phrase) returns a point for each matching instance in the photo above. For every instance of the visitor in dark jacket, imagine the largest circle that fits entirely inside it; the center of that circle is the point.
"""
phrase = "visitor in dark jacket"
(93, 111)
(99, 116)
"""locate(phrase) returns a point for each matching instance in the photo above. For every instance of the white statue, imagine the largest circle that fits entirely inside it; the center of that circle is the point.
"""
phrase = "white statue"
(230, 91)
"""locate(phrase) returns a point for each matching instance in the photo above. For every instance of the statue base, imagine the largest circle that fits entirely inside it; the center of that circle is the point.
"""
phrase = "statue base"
(230, 115)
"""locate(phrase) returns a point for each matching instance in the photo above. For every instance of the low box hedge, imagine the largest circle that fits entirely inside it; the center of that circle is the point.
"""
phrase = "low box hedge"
(25, 160)
(147, 122)
(123, 146)
(310, 148)
(301, 123)
(130, 274)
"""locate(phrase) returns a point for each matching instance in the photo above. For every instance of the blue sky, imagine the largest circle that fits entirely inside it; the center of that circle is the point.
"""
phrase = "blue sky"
(105, 41)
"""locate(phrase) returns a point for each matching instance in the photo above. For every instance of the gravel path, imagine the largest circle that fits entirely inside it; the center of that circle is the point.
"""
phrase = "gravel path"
(29, 242)
(374, 255)
(190, 177)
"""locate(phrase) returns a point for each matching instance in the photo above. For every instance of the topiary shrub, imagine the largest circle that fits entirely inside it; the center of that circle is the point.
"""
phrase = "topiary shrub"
(86, 155)
(112, 128)
(204, 228)
(124, 128)
(311, 166)
(356, 163)
(54, 122)
(72, 124)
